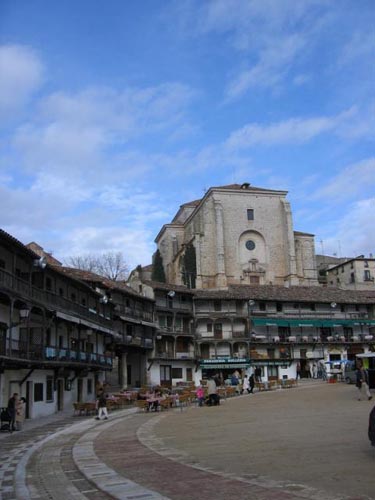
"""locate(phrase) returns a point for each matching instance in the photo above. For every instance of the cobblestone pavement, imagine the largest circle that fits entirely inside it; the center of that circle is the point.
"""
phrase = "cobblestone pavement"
(306, 443)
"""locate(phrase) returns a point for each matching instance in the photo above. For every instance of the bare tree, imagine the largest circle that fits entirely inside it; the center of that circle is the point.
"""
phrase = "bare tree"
(111, 265)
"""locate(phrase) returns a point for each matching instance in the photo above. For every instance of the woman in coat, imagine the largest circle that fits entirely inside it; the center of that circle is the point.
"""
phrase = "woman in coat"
(20, 413)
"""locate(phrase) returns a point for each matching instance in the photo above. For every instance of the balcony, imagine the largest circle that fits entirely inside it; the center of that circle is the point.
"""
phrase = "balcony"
(48, 299)
(21, 351)
(135, 313)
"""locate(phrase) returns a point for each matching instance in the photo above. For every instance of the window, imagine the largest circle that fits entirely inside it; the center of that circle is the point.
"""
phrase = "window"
(89, 386)
(189, 374)
(279, 307)
(38, 392)
(61, 292)
(48, 337)
(312, 307)
(366, 263)
(73, 297)
(352, 278)
(218, 328)
(342, 269)
(217, 305)
(48, 284)
(176, 372)
(250, 214)
(262, 306)
(250, 245)
(129, 328)
(367, 275)
(49, 389)
(209, 327)
(83, 301)
(254, 280)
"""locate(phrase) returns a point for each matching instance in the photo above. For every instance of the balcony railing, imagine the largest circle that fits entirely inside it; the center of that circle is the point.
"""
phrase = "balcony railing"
(52, 300)
(135, 313)
(176, 330)
(21, 350)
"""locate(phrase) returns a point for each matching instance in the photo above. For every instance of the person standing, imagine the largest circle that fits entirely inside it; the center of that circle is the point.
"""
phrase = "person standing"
(212, 392)
(102, 406)
(12, 409)
(371, 427)
(20, 413)
(362, 383)
(298, 371)
(200, 395)
(251, 384)
(307, 368)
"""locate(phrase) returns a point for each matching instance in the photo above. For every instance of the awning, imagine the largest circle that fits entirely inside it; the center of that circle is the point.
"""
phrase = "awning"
(295, 322)
(88, 324)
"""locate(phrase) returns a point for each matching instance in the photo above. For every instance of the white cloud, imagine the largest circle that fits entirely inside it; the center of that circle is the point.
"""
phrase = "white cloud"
(21, 75)
(349, 183)
(354, 233)
(292, 131)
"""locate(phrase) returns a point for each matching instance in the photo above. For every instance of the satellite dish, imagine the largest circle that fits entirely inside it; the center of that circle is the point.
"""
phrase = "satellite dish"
(171, 294)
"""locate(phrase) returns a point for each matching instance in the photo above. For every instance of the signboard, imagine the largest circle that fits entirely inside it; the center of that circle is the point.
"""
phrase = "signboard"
(269, 362)
(225, 363)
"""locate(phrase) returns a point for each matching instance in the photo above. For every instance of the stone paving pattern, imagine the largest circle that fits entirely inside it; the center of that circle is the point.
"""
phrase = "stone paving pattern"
(305, 443)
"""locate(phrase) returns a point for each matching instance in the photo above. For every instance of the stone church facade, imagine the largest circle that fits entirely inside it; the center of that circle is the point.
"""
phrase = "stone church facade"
(238, 234)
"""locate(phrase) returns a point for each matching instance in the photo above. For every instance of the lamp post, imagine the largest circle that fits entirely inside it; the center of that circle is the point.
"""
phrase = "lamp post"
(250, 308)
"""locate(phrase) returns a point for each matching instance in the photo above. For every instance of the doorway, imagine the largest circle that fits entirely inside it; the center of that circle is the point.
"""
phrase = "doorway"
(166, 375)
(60, 394)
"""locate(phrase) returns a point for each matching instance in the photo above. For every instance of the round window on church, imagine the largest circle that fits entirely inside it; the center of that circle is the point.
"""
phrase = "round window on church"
(250, 245)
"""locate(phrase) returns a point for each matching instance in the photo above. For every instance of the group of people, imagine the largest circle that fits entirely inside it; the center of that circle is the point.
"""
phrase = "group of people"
(16, 412)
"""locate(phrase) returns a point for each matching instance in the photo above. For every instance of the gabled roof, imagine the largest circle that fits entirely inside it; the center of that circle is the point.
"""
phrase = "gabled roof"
(13, 241)
(88, 276)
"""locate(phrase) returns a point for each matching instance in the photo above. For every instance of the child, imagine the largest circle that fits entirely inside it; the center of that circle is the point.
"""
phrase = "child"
(200, 395)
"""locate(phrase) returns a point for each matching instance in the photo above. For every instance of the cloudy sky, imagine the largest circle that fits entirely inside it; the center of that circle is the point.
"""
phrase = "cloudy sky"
(113, 113)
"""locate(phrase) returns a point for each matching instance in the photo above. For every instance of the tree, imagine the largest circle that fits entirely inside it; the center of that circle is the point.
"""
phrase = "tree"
(189, 272)
(158, 273)
(111, 265)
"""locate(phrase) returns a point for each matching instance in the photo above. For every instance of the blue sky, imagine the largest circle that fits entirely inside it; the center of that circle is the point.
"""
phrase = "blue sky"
(113, 113)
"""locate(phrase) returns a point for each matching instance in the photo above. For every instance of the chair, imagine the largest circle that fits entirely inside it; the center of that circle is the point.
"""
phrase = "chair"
(79, 409)
(142, 405)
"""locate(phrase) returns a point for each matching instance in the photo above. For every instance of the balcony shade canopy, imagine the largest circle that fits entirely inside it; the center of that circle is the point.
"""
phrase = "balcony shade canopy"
(311, 322)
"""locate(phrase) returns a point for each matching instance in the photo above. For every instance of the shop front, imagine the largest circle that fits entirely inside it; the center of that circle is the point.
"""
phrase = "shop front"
(223, 367)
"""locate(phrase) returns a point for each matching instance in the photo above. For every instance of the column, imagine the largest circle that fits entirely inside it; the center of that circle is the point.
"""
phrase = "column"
(220, 263)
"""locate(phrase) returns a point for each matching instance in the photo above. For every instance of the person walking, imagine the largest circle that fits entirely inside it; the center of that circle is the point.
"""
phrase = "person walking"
(102, 406)
(246, 385)
(362, 383)
(12, 409)
(20, 413)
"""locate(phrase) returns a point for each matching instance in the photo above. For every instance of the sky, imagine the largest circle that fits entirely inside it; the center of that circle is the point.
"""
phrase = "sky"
(114, 113)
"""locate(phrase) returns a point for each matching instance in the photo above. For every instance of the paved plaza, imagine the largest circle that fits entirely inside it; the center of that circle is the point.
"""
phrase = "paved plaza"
(308, 442)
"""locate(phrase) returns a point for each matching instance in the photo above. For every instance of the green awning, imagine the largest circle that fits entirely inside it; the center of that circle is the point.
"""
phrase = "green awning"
(295, 322)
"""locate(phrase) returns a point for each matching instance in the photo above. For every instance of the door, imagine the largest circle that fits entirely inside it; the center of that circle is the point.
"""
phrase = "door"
(60, 394)
(79, 390)
(166, 375)
(29, 400)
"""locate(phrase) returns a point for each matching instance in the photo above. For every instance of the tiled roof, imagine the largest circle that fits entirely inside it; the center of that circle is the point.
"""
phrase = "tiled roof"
(14, 241)
(293, 293)
(157, 285)
(88, 276)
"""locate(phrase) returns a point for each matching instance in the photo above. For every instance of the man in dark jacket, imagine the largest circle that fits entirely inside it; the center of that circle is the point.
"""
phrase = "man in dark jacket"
(12, 406)
(371, 427)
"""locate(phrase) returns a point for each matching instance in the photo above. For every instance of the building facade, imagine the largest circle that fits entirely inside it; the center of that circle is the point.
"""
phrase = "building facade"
(54, 333)
(236, 234)
(353, 274)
